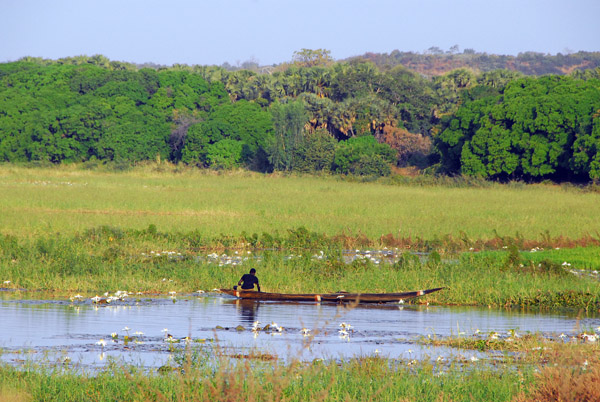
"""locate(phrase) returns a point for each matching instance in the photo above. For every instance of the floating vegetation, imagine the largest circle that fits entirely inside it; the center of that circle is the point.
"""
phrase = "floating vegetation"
(513, 341)
(254, 356)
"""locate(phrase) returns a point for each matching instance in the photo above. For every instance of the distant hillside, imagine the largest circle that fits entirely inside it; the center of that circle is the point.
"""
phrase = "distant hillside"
(437, 62)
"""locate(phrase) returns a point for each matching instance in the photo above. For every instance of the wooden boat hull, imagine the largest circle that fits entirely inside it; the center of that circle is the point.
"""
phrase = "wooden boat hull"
(329, 297)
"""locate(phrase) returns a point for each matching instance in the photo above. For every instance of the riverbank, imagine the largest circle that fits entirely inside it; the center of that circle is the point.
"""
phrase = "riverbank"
(540, 372)
(109, 259)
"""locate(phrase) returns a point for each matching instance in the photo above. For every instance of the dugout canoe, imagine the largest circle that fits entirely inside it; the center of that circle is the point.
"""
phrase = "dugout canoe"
(339, 297)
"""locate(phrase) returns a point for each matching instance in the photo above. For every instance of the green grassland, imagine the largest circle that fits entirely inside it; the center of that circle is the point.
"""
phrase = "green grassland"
(68, 200)
(71, 230)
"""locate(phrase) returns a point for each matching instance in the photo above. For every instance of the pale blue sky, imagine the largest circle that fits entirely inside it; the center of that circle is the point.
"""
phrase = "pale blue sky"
(269, 31)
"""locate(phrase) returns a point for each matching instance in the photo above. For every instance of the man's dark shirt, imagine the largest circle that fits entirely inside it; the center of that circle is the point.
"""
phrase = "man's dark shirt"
(248, 281)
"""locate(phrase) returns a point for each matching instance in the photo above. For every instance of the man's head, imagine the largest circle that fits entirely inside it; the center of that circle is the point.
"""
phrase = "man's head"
(252, 271)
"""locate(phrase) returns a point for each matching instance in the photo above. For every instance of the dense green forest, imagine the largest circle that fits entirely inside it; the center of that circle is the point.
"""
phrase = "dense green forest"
(312, 114)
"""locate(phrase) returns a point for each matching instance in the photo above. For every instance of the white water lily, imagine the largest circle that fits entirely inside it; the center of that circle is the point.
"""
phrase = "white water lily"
(101, 342)
(474, 358)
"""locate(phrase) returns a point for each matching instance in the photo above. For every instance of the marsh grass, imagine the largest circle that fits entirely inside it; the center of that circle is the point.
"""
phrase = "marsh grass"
(360, 379)
(527, 348)
(572, 374)
(67, 200)
(558, 371)
(69, 229)
(110, 259)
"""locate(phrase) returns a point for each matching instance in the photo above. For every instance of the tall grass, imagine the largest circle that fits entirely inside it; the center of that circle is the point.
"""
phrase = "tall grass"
(41, 201)
(362, 379)
(108, 259)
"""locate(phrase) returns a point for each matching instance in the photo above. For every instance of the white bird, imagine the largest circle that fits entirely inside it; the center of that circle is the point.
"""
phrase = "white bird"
(590, 338)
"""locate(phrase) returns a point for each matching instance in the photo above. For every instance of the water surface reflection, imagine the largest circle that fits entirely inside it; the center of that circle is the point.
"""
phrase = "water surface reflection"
(55, 328)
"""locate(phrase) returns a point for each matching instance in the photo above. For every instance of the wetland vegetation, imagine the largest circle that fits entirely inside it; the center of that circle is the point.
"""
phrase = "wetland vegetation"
(159, 228)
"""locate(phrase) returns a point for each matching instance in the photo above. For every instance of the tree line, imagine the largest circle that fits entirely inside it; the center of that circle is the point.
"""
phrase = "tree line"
(435, 61)
(312, 114)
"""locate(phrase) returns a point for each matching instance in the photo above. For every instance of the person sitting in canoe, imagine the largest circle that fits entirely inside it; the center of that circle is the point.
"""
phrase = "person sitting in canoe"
(249, 280)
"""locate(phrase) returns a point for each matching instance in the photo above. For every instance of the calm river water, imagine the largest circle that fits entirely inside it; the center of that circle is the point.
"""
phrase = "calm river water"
(40, 329)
